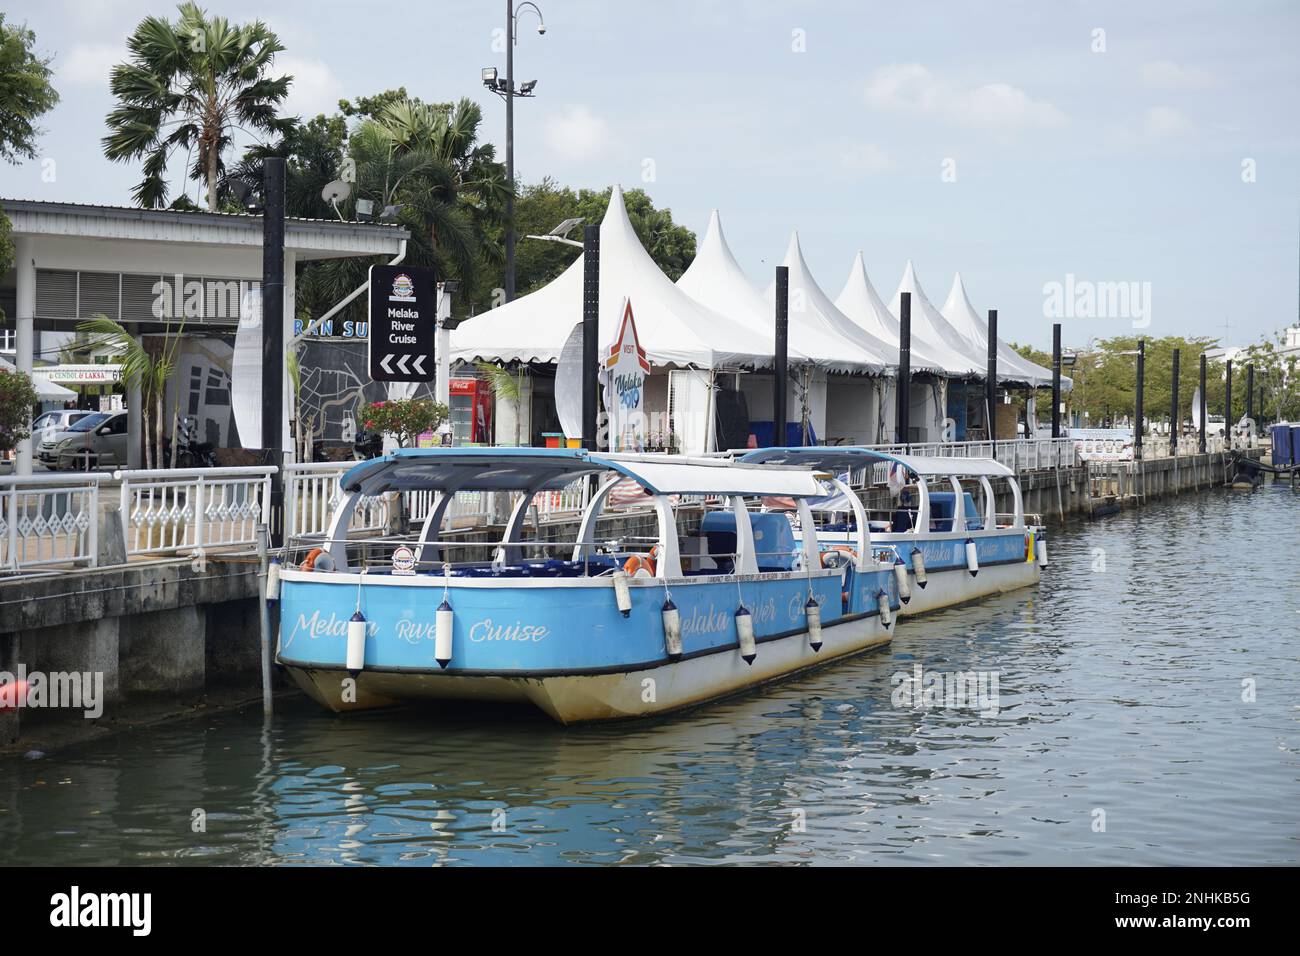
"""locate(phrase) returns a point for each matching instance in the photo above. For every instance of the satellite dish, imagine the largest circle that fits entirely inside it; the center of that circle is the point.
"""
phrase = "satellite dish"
(335, 192)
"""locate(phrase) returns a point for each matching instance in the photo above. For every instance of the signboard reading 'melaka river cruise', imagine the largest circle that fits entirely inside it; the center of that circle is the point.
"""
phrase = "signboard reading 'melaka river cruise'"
(403, 313)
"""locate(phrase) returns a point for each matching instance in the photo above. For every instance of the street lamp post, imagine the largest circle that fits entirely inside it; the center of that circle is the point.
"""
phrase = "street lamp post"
(505, 88)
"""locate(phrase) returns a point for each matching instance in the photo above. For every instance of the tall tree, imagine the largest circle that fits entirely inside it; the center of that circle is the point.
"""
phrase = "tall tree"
(25, 92)
(189, 86)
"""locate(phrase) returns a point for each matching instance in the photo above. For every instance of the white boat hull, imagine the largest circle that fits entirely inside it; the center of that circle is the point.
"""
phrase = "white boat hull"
(587, 697)
(955, 586)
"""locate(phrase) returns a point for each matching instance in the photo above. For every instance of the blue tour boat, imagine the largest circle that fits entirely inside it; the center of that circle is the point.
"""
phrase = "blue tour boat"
(584, 630)
(945, 550)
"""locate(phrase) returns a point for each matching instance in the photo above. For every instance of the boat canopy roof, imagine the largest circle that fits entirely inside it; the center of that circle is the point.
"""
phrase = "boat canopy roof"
(837, 459)
(549, 469)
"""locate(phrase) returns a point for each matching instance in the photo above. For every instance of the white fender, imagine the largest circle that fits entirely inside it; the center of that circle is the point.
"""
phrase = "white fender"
(972, 558)
(273, 580)
(813, 611)
(1040, 543)
(356, 658)
(900, 575)
(745, 634)
(622, 593)
(443, 619)
(672, 630)
(918, 567)
(886, 612)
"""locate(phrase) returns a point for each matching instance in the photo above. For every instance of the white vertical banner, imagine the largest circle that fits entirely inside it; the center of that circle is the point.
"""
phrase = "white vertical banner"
(624, 370)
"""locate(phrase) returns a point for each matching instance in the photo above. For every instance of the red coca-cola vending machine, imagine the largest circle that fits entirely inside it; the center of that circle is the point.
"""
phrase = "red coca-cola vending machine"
(471, 411)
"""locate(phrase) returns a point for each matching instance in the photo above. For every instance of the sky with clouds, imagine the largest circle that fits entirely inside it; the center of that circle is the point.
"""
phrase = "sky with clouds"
(1010, 141)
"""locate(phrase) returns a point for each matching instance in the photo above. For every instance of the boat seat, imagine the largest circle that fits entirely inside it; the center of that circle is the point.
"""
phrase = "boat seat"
(774, 542)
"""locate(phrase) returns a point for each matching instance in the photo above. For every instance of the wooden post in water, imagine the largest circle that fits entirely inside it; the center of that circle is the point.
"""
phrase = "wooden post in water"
(1139, 413)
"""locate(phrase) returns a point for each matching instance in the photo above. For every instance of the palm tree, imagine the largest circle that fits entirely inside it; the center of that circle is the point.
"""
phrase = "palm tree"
(140, 369)
(204, 78)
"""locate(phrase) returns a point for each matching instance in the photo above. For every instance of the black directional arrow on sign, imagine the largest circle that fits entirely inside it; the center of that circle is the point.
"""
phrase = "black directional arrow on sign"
(403, 317)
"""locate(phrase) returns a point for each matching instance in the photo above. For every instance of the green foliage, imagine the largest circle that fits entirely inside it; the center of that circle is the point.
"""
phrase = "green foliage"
(1105, 377)
(425, 158)
(404, 419)
(6, 248)
(1275, 375)
(25, 92)
(187, 87)
(17, 398)
(140, 368)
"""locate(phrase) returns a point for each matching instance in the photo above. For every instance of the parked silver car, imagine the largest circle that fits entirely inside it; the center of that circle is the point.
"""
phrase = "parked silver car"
(56, 421)
(98, 439)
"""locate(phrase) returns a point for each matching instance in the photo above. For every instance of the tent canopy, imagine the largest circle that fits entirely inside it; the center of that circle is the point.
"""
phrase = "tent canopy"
(860, 302)
(819, 329)
(716, 281)
(673, 328)
(1013, 368)
(46, 390)
(957, 354)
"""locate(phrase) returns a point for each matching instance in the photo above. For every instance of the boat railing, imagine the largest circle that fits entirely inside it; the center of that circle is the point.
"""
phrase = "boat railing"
(375, 553)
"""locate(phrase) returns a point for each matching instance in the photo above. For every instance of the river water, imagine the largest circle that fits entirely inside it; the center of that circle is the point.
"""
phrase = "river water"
(1148, 693)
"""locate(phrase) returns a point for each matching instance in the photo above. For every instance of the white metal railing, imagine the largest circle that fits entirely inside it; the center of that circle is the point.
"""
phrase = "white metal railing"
(184, 509)
(312, 490)
(1157, 446)
(49, 520)
(1020, 454)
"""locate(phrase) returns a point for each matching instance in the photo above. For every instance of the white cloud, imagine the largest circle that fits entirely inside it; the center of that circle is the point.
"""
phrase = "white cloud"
(1165, 121)
(89, 64)
(1166, 75)
(912, 88)
(865, 157)
(314, 89)
(577, 133)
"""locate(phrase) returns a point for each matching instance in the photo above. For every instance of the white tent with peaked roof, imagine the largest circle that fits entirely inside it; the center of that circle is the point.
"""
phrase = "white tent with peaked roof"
(933, 328)
(715, 280)
(674, 328)
(1012, 366)
(814, 316)
(861, 303)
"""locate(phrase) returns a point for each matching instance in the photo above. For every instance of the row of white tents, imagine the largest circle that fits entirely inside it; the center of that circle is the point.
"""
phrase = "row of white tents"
(843, 353)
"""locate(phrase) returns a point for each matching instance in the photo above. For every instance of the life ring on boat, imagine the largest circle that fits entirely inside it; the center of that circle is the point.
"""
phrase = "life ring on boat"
(641, 562)
(309, 562)
(830, 557)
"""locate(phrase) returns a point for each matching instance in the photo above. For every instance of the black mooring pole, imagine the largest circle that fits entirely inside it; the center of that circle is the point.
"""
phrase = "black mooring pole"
(590, 331)
(1173, 410)
(1056, 380)
(1250, 392)
(1227, 406)
(903, 390)
(1140, 411)
(273, 338)
(780, 377)
(991, 381)
(1201, 411)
